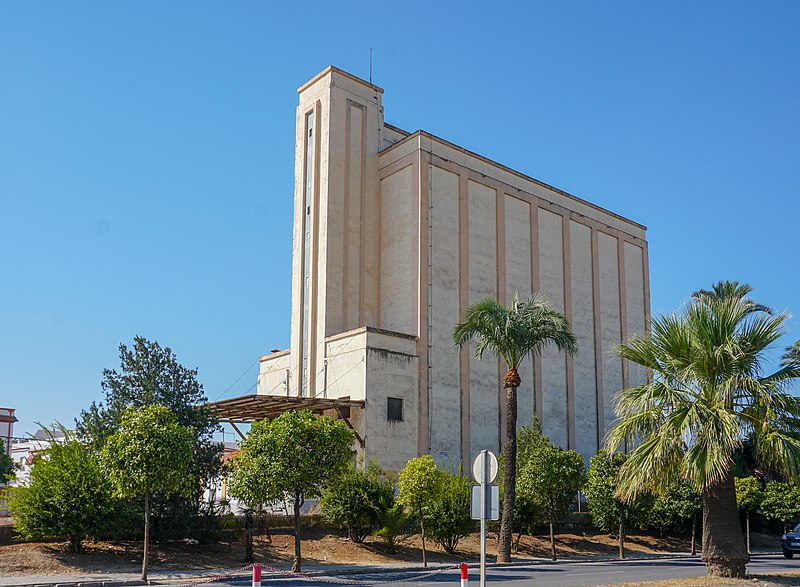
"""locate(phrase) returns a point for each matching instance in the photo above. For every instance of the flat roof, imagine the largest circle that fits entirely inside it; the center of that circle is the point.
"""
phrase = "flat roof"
(422, 133)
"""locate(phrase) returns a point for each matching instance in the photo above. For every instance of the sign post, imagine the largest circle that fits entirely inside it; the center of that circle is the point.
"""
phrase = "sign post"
(484, 469)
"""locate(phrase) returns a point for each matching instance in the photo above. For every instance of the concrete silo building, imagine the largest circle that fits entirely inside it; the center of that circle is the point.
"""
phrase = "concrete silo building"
(395, 234)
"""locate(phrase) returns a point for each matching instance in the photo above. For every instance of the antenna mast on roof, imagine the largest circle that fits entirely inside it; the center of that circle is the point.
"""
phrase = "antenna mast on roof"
(370, 65)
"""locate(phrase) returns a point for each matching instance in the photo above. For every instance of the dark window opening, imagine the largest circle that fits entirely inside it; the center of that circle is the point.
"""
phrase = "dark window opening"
(394, 409)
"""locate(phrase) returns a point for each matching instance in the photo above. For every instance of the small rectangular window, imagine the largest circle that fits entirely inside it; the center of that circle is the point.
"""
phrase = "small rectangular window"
(394, 409)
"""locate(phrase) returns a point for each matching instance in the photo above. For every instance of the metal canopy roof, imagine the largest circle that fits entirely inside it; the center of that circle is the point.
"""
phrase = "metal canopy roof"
(251, 408)
(254, 407)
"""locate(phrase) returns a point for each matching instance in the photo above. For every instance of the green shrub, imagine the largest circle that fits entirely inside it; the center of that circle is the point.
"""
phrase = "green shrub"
(448, 516)
(357, 499)
(781, 502)
(67, 495)
(394, 525)
(673, 511)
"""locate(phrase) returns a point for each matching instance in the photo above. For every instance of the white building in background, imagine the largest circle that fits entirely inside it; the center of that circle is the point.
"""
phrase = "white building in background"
(24, 451)
(395, 234)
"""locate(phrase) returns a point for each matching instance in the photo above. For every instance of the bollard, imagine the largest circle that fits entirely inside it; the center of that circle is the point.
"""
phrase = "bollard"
(464, 575)
(256, 575)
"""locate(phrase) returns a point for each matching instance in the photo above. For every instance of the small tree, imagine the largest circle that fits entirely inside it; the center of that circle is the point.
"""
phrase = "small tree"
(419, 482)
(356, 499)
(780, 501)
(551, 477)
(527, 515)
(673, 510)
(393, 525)
(449, 513)
(609, 513)
(67, 495)
(150, 374)
(292, 456)
(150, 453)
(748, 498)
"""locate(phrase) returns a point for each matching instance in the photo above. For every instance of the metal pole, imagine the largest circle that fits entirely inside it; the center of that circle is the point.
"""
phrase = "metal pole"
(484, 475)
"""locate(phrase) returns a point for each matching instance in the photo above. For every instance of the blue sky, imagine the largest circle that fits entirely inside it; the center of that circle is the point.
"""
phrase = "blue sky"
(146, 156)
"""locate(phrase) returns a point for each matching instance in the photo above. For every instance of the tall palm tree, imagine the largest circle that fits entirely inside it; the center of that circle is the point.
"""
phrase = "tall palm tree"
(513, 333)
(706, 393)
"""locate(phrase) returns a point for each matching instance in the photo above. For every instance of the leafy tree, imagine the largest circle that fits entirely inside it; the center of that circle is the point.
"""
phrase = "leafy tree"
(393, 525)
(609, 513)
(674, 510)
(151, 452)
(419, 482)
(7, 466)
(67, 495)
(150, 374)
(527, 515)
(706, 391)
(292, 456)
(449, 513)
(513, 333)
(780, 501)
(527, 511)
(748, 498)
(356, 499)
(551, 477)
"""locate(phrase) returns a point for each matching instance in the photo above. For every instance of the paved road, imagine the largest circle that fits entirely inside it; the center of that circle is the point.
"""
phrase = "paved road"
(565, 574)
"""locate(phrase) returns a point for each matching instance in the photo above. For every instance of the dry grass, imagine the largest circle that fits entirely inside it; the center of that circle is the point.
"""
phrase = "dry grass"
(775, 580)
(319, 546)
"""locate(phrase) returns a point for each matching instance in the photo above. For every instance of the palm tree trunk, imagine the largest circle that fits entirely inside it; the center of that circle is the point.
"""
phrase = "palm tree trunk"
(510, 382)
(622, 536)
(146, 534)
(724, 549)
(298, 503)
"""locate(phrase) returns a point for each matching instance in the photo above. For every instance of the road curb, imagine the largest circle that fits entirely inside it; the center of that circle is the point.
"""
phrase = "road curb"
(266, 574)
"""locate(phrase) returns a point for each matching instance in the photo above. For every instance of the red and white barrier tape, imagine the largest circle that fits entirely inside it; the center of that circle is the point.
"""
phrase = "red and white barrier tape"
(327, 579)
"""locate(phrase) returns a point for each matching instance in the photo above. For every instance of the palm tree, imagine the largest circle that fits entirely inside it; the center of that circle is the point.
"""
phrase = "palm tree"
(707, 393)
(513, 333)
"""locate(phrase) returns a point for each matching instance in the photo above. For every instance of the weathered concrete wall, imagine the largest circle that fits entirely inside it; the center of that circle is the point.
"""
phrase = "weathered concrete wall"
(445, 392)
(610, 328)
(399, 258)
(345, 372)
(635, 303)
(272, 373)
(584, 375)
(483, 373)
(518, 280)
(392, 371)
(551, 281)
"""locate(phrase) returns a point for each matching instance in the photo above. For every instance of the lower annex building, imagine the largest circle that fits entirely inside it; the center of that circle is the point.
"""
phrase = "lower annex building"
(395, 234)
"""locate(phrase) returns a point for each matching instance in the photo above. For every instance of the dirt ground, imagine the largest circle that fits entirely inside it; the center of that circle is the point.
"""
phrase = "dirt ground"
(782, 580)
(319, 546)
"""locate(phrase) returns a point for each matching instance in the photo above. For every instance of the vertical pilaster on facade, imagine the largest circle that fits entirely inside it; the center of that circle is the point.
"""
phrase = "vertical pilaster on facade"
(423, 304)
(623, 309)
(536, 287)
(463, 304)
(502, 296)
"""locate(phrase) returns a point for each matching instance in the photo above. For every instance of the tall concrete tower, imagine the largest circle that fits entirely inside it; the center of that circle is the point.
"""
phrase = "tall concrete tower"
(395, 235)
